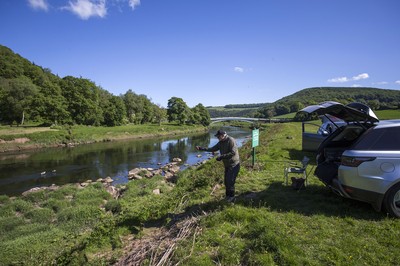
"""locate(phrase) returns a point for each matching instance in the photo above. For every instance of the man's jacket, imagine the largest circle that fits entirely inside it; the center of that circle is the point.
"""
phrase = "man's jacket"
(228, 151)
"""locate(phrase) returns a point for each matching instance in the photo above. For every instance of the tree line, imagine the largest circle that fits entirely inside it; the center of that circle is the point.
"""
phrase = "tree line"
(377, 99)
(31, 93)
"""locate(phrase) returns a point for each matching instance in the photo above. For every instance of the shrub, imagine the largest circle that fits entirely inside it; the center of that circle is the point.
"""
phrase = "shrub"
(113, 206)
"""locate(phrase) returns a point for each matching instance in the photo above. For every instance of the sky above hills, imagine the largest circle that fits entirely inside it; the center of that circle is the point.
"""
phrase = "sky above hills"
(214, 52)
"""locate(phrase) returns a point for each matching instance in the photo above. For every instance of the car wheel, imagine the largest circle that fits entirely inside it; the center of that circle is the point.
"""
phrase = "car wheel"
(392, 201)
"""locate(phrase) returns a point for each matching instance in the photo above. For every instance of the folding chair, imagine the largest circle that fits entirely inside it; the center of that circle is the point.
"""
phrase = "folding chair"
(298, 168)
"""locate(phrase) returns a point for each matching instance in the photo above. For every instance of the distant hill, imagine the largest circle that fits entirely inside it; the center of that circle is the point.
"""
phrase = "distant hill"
(377, 99)
(223, 111)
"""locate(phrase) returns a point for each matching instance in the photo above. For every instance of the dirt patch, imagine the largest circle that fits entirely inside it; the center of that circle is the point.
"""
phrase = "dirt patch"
(17, 140)
(23, 130)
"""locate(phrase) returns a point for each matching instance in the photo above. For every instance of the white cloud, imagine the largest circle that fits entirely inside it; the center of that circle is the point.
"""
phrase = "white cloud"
(397, 82)
(346, 79)
(339, 80)
(88, 8)
(381, 83)
(39, 4)
(239, 69)
(361, 76)
(356, 85)
(134, 3)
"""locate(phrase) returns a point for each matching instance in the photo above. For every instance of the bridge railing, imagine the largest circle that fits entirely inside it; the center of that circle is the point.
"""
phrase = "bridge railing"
(250, 119)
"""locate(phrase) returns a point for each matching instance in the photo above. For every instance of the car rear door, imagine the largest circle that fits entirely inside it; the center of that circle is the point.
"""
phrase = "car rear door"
(310, 139)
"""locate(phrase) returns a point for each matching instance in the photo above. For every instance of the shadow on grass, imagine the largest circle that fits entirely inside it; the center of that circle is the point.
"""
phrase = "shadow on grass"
(311, 200)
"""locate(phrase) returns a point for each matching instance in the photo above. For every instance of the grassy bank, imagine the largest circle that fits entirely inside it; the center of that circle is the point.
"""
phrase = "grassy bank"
(190, 223)
(17, 138)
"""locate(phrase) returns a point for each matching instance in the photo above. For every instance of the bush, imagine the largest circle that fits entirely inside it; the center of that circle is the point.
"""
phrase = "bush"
(113, 206)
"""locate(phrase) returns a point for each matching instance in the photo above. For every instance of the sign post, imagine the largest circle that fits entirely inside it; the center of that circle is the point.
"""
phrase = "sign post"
(254, 143)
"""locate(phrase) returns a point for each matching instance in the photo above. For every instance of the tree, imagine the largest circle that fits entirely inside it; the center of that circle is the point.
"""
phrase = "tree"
(147, 109)
(160, 113)
(374, 104)
(51, 106)
(200, 115)
(177, 110)
(282, 109)
(16, 100)
(114, 111)
(296, 106)
(82, 97)
(130, 99)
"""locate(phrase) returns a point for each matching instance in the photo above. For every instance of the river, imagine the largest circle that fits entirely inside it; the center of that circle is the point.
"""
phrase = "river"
(21, 171)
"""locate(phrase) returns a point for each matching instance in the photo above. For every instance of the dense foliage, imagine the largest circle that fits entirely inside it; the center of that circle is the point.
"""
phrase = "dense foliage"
(377, 99)
(249, 105)
(178, 111)
(30, 92)
(231, 112)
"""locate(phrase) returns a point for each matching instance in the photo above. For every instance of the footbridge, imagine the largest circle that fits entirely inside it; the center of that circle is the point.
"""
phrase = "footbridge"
(250, 119)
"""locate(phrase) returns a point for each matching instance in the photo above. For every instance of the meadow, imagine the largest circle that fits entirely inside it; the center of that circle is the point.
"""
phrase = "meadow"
(41, 137)
(189, 223)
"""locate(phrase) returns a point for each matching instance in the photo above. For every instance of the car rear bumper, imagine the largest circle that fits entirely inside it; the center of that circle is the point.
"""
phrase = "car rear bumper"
(374, 198)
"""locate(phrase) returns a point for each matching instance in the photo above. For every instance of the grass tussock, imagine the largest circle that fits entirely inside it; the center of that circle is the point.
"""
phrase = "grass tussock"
(189, 223)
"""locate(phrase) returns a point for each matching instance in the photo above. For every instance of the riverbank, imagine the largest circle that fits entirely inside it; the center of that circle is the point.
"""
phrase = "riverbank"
(189, 223)
(26, 138)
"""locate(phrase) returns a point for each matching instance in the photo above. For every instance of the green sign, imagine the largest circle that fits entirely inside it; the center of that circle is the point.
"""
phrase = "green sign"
(254, 137)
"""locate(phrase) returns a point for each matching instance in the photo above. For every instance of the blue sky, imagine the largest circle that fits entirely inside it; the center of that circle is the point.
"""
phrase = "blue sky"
(214, 52)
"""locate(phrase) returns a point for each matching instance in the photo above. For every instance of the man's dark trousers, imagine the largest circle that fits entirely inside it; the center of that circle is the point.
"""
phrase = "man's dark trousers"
(230, 179)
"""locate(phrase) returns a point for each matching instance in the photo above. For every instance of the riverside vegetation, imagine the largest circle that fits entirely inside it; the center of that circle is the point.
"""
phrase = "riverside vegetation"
(29, 137)
(189, 223)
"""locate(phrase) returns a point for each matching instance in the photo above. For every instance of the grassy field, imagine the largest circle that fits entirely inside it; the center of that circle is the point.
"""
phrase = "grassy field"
(388, 114)
(37, 137)
(189, 222)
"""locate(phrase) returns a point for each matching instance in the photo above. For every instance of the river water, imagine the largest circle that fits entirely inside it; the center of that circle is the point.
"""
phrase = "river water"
(24, 170)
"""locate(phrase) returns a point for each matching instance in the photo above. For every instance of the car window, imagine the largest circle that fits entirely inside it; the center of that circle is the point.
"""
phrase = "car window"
(380, 139)
(349, 134)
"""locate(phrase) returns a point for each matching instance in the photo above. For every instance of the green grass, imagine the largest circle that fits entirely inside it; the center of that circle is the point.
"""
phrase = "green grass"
(388, 114)
(290, 115)
(45, 137)
(269, 224)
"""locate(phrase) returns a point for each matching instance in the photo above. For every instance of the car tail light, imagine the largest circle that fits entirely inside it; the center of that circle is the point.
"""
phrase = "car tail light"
(355, 161)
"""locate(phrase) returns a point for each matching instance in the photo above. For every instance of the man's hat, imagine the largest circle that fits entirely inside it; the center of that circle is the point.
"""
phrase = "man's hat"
(220, 133)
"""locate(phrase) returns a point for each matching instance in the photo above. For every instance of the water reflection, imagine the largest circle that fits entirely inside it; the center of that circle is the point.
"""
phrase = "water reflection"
(22, 171)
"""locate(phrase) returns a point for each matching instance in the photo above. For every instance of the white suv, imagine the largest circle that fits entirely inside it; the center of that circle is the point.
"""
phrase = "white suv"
(362, 159)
